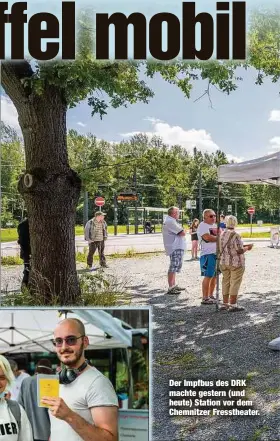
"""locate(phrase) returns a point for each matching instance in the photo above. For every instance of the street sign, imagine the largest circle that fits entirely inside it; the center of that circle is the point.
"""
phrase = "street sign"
(251, 211)
(126, 197)
(99, 201)
(229, 208)
(191, 205)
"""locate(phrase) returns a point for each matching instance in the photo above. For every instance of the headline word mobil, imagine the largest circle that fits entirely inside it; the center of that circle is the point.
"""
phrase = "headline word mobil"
(226, 35)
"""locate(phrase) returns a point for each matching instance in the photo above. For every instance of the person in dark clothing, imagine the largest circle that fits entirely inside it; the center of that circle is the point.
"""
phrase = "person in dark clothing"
(25, 249)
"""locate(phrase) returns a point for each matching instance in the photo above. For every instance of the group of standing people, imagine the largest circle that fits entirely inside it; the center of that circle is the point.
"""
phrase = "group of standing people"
(229, 253)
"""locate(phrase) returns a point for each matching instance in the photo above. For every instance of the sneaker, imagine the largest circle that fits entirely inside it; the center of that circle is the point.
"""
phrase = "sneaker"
(179, 288)
(224, 307)
(104, 266)
(91, 268)
(235, 308)
(207, 301)
(173, 290)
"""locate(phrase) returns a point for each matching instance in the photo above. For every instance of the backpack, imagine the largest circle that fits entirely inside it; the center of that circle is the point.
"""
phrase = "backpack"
(15, 409)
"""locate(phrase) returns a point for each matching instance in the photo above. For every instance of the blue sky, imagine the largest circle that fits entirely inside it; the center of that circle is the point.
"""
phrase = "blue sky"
(244, 125)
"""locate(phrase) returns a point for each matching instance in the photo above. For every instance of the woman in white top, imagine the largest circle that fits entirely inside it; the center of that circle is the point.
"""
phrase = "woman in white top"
(14, 424)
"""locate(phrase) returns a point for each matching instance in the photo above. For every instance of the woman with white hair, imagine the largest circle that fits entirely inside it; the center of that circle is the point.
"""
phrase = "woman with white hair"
(14, 424)
(232, 264)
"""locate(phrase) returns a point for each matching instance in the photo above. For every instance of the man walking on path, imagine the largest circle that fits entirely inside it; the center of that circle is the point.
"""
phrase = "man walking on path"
(174, 239)
(207, 235)
(96, 234)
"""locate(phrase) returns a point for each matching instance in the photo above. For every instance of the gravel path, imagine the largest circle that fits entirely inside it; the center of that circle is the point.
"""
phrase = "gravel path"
(191, 341)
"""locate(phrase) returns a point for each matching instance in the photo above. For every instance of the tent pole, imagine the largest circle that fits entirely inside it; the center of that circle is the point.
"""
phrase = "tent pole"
(218, 247)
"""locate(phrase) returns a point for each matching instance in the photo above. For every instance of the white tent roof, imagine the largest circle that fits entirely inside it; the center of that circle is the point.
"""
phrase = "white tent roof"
(32, 330)
(264, 170)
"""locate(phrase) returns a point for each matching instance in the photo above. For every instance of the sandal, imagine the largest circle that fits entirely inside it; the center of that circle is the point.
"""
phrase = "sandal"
(224, 307)
(235, 308)
(212, 298)
(207, 301)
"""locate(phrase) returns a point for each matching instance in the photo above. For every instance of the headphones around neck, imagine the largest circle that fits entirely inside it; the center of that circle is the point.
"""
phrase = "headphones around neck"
(67, 376)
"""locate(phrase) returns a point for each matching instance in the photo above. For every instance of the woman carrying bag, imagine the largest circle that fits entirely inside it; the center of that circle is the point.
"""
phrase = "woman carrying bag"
(14, 424)
(232, 264)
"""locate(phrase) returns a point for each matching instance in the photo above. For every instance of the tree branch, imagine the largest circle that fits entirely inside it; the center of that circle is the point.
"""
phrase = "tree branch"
(12, 74)
(207, 92)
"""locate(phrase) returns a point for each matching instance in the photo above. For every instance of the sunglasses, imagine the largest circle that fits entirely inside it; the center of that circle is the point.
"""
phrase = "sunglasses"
(212, 215)
(71, 340)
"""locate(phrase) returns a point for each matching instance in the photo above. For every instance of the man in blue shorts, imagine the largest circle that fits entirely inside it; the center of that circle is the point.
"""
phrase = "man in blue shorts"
(207, 235)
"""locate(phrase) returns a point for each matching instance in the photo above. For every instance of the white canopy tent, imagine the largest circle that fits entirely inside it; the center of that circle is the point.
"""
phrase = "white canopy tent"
(29, 330)
(264, 170)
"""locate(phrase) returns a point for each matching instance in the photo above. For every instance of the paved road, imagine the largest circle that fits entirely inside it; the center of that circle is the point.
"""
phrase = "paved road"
(140, 243)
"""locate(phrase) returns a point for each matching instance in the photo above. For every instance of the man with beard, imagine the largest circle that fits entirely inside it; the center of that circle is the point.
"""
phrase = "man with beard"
(87, 408)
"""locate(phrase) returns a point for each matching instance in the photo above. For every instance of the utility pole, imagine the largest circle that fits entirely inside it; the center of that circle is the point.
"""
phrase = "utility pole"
(136, 202)
(85, 210)
(116, 203)
(115, 214)
(180, 201)
(200, 194)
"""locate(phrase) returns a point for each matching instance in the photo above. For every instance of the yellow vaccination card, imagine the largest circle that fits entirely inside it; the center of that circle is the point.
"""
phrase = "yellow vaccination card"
(47, 386)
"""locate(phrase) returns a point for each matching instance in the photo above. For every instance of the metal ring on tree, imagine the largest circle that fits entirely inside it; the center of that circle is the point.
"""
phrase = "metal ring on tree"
(28, 180)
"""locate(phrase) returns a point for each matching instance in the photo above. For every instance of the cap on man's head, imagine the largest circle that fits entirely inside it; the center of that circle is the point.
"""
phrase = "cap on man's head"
(100, 213)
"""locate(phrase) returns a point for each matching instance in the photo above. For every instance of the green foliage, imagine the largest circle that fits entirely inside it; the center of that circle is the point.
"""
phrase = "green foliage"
(166, 175)
(264, 43)
(12, 162)
(11, 260)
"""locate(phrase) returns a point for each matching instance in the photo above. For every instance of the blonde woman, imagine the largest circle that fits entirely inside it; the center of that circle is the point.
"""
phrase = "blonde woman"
(14, 423)
(232, 264)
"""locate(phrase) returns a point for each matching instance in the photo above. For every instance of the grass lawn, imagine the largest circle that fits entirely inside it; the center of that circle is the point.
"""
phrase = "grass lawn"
(261, 235)
(10, 234)
(255, 225)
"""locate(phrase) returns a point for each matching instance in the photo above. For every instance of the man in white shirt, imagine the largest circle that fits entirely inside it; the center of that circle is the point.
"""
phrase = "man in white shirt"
(19, 377)
(174, 240)
(87, 407)
(207, 235)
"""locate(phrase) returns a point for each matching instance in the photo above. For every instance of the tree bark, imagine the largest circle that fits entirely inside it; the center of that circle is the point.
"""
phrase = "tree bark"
(49, 187)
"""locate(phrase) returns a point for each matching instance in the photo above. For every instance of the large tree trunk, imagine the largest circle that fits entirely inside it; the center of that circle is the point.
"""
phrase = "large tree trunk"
(49, 187)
